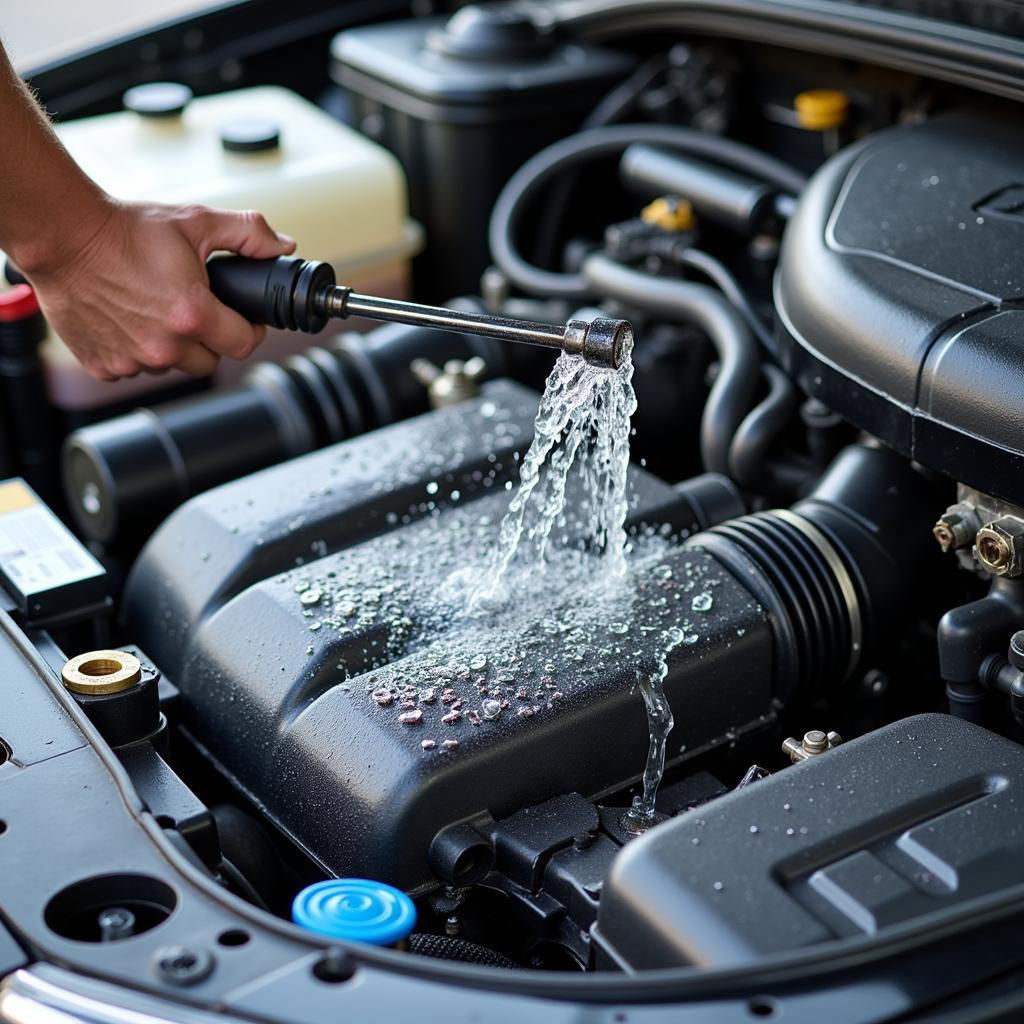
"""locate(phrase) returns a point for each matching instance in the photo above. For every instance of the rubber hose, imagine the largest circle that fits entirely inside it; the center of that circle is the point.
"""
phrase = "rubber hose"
(760, 428)
(732, 394)
(717, 272)
(511, 206)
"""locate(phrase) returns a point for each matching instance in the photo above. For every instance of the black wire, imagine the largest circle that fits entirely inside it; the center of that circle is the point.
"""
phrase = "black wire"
(611, 107)
(760, 428)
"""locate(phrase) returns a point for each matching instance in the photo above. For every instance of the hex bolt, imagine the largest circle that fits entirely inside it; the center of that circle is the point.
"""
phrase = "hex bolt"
(182, 965)
(999, 546)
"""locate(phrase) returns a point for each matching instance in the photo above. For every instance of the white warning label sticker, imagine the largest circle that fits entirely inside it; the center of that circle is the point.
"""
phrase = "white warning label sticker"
(37, 552)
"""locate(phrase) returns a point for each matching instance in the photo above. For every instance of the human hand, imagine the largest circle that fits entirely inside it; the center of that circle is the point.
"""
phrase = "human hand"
(127, 291)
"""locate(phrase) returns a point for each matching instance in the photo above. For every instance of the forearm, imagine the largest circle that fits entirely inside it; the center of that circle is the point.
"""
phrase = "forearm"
(39, 183)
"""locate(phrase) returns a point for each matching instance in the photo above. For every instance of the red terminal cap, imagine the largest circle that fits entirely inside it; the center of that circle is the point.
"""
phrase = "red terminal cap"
(20, 303)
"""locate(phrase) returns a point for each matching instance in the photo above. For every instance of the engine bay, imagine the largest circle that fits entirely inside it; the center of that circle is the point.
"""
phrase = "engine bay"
(245, 614)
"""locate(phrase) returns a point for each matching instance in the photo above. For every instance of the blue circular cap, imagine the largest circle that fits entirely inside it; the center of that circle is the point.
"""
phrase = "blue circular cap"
(356, 909)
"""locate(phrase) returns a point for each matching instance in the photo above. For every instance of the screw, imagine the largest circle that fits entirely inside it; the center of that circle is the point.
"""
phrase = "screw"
(115, 923)
(180, 965)
(452, 926)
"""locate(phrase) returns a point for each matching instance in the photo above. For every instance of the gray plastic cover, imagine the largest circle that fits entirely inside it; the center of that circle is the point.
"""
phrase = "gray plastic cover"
(913, 819)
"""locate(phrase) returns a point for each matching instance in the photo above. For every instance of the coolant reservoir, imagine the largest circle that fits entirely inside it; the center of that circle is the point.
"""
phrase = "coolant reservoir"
(339, 195)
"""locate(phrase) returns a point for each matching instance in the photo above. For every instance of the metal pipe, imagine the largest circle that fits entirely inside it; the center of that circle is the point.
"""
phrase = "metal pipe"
(601, 342)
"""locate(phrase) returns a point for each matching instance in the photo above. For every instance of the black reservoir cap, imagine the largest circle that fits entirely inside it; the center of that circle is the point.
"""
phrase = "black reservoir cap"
(250, 135)
(158, 99)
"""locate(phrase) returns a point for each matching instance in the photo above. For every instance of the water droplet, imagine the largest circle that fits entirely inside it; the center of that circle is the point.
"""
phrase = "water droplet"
(490, 709)
(428, 744)
(450, 744)
(413, 717)
(432, 487)
(618, 628)
(718, 886)
(702, 602)
(311, 596)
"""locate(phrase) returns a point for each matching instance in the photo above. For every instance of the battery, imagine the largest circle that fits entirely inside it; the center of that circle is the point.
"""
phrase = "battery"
(43, 566)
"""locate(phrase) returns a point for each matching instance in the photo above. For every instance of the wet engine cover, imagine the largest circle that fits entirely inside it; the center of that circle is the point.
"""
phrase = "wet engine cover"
(302, 612)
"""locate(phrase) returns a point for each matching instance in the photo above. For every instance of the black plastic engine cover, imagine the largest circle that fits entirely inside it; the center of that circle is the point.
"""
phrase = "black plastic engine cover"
(301, 704)
(899, 291)
(918, 819)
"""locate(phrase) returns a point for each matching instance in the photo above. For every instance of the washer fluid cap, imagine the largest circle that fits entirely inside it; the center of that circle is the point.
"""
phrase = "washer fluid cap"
(356, 909)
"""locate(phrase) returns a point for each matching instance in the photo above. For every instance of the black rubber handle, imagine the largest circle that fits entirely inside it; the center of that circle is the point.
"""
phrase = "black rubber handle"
(284, 292)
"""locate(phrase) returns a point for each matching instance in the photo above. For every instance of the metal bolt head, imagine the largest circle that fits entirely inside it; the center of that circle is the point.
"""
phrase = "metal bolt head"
(182, 965)
(115, 923)
(999, 546)
(815, 741)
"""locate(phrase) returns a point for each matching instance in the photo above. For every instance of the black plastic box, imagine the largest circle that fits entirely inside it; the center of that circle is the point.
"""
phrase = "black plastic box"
(462, 109)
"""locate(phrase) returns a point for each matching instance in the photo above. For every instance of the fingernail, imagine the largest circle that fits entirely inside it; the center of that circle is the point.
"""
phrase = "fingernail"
(285, 239)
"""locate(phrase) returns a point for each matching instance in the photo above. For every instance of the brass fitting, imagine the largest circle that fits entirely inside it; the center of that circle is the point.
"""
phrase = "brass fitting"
(999, 546)
(954, 530)
(101, 672)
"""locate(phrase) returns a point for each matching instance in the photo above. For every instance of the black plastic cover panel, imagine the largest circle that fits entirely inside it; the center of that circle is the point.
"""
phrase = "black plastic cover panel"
(295, 610)
(898, 288)
(914, 819)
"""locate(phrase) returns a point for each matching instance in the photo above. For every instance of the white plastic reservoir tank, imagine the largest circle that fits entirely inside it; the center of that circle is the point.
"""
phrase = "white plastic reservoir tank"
(341, 196)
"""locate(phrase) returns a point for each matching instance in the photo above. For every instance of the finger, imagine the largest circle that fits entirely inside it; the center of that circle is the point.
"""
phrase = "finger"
(229, 334)
(246, 233)
(197, 360)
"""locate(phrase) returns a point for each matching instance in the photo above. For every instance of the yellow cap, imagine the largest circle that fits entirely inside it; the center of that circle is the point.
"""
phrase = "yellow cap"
(818, 110)
(99, 672)
(669, 214)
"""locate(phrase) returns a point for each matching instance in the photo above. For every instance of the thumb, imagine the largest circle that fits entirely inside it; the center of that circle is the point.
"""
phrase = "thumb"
(246, 233)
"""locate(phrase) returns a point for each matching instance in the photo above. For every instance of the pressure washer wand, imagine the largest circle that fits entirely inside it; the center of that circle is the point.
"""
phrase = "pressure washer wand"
(302, 295)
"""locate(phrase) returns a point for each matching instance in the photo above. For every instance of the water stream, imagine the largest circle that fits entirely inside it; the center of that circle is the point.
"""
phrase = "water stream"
(584, 422)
